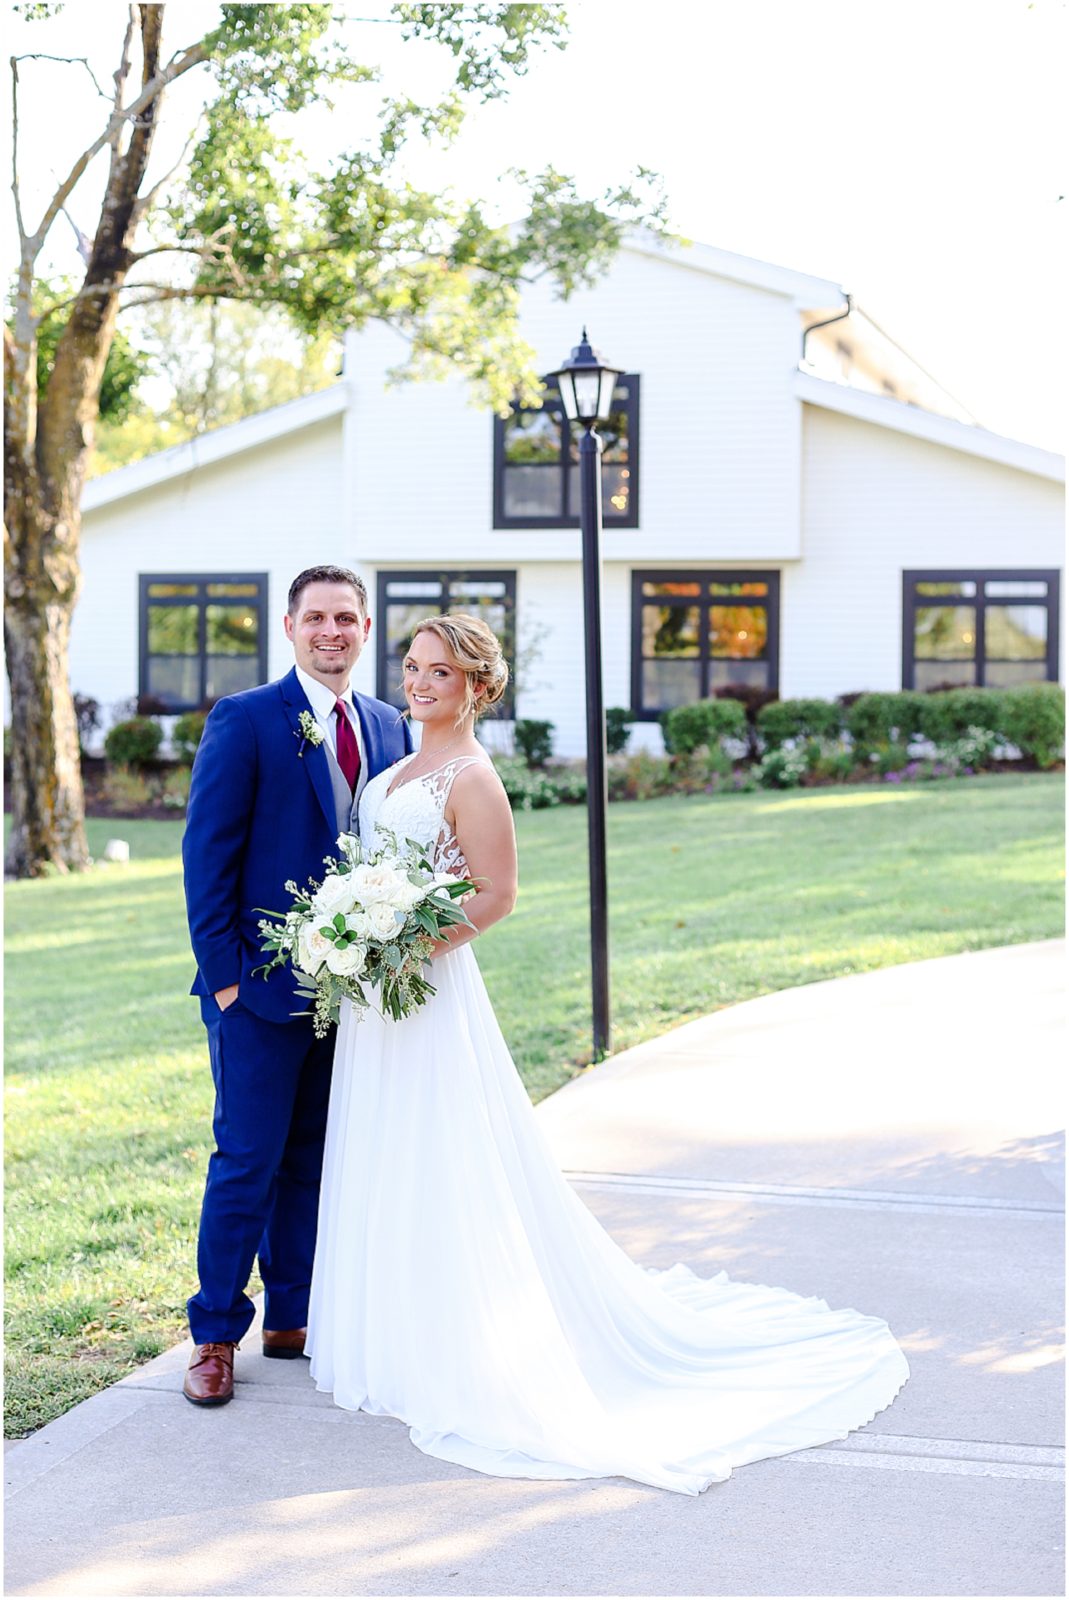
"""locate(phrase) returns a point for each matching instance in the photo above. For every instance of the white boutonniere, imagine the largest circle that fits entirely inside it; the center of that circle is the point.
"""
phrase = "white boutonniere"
(311, 732)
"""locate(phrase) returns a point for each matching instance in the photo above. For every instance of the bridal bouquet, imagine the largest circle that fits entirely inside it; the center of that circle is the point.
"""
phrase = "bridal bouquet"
(371, 922)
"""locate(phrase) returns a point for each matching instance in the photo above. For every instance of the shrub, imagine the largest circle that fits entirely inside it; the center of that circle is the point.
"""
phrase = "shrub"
(830, 760)
(947, 714)
(534, 790)
(781, 769)
(798, 719)
(1034, 720)
(174, 790)
(534, 740)
(187, 734)
(640, 777)
(701, 769)
(875, 720)
(133, 743)
(751, 697)
(126, 789)
(706, 722)
(891, 758)
(976, 748)
(617, 729)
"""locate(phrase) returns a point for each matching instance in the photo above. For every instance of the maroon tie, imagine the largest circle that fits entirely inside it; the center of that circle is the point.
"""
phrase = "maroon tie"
(348, 749)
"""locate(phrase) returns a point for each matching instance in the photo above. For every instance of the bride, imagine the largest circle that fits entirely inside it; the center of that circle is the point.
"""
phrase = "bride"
(459, 1282)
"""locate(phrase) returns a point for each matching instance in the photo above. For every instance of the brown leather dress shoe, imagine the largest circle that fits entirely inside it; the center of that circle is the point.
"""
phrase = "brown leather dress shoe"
(284, 1344)
(209, 1377)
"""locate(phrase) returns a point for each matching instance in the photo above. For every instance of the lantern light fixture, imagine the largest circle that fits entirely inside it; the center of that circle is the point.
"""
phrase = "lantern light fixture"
(586, 382)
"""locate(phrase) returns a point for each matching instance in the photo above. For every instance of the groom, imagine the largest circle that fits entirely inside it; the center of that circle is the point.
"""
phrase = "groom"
(277, 777)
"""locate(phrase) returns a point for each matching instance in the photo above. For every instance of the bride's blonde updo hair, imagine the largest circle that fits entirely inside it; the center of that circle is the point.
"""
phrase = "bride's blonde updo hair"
(476, 650)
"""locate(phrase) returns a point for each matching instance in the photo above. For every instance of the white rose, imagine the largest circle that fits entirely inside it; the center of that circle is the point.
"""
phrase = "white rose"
(385, 920)
(359, 922)
(347, 961)
(334, 894)
(312, 949)
(409, 894)
(372, 885)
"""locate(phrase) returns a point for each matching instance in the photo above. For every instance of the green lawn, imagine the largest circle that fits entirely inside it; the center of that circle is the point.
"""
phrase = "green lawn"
(713, 901)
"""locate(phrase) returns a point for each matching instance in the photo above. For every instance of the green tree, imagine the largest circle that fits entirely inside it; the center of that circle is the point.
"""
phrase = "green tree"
(123, 370)
(251, 223)
(221, 361)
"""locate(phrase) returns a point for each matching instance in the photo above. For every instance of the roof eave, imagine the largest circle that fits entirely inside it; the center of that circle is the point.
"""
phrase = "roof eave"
(884, 412)
(218, 445)
(808, 293)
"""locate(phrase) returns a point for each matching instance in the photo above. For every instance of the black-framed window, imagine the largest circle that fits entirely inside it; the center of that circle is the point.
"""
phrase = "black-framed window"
(984, 628)
(202, 635)
(536, 464)
(405, 598)
(694, 632)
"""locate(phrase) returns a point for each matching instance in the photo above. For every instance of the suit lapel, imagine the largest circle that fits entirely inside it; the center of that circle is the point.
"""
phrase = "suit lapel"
(369, 726)
(313, 757)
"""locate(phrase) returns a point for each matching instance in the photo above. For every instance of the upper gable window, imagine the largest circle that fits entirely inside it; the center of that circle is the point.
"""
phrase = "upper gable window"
(536, 464)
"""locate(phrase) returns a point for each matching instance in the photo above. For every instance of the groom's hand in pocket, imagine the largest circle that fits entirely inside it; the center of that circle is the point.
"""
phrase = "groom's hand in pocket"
(226, 997)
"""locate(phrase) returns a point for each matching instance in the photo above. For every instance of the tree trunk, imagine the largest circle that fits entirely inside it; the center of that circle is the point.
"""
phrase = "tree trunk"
(47, 802)
(46, 450)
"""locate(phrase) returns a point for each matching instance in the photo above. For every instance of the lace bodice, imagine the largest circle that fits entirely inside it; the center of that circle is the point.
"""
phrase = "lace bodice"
(416, 810)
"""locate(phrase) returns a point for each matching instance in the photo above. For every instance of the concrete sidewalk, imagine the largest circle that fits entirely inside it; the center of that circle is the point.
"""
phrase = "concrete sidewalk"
(887, 1141)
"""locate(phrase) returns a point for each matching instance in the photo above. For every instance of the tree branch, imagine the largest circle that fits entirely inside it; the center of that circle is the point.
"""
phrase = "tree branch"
(122, 71)
(70, 61)
(178, 64)
(146, 201)
(15, 149)
(119, 77)
(167, 250)
(196, 291)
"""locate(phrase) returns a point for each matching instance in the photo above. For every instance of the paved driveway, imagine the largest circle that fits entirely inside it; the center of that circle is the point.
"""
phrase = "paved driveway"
(887, 1141)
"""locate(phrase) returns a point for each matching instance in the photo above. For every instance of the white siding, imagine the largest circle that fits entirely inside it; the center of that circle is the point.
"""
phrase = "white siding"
(877, 503)
(273, 510)
(719, 430)
(744, 462)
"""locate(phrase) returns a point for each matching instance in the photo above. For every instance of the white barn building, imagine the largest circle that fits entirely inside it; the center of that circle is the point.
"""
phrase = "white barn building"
(816, 526)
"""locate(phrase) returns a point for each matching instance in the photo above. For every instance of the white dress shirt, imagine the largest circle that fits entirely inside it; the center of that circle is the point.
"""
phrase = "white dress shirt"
(322, 701)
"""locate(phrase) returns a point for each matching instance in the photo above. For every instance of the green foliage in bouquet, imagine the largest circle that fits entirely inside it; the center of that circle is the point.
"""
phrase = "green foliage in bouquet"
(372, 921)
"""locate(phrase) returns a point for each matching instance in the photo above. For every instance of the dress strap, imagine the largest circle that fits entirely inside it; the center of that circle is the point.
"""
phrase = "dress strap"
(440, 781)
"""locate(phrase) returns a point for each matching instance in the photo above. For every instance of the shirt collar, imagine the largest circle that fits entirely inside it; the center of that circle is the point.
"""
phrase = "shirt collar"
(320, 698)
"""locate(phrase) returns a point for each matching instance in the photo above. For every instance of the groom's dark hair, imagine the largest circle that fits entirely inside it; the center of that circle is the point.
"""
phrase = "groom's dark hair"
(325, 575)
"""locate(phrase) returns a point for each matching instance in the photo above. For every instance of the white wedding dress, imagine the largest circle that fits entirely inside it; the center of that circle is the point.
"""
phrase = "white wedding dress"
(462, 1286)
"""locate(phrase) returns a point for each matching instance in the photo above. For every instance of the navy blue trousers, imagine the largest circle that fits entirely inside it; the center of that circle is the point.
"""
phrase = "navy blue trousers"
(272, 1089)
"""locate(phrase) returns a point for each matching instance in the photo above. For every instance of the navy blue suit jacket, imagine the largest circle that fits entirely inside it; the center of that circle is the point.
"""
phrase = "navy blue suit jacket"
(259, 814)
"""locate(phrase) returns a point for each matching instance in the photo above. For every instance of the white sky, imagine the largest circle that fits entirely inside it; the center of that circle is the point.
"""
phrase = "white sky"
(911, 150)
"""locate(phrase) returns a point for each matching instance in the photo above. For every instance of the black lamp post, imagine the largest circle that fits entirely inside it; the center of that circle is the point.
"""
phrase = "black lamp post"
(586, 385)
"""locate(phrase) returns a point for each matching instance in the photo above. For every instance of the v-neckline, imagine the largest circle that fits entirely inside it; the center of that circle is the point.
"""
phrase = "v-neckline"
(395, 787)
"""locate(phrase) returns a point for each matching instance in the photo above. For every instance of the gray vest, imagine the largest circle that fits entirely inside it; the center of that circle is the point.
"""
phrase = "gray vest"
(345, 804)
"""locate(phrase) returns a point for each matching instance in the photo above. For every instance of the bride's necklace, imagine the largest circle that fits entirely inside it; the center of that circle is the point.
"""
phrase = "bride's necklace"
(439, 752)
